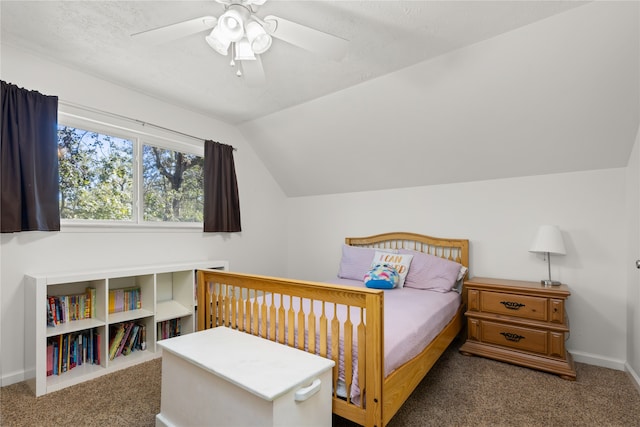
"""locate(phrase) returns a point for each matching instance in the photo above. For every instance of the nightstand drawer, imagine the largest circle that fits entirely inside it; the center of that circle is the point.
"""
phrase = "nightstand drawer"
(523, 306)
(518, 322)
(516, 337)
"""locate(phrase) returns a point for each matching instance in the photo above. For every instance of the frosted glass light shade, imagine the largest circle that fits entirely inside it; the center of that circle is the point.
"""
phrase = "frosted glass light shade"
(218, 41)
(549, 240)
(231, 25)
(259, 40)
(243, 51)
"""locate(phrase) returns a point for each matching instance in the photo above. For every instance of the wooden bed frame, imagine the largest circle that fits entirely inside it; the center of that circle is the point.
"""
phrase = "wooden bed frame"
(228, 299)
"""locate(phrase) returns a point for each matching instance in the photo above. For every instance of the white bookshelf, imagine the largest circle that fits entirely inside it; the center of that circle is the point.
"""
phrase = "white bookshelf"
(166, 293)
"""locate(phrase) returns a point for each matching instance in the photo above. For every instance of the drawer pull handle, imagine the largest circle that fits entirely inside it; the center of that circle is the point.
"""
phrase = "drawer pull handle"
(511, 337)
(511, 305)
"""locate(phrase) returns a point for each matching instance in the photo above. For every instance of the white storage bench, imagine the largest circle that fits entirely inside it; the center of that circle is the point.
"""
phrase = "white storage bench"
(222, 377)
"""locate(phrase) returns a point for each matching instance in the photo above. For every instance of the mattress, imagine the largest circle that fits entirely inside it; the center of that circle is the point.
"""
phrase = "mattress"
(412, 319)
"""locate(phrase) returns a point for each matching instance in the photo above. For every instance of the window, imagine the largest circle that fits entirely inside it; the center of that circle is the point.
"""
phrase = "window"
(173, 184)
(110, 175)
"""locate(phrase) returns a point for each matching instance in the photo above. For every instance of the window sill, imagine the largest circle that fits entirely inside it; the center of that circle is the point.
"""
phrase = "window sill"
(67, 226)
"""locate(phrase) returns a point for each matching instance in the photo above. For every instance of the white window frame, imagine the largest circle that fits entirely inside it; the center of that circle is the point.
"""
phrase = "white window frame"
(140, 135)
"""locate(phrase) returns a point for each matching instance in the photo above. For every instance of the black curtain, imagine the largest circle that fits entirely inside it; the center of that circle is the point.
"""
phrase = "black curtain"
(28, 161)
(221, 200)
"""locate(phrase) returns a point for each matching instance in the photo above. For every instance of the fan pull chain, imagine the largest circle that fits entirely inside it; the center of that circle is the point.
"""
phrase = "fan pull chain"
(233, 62)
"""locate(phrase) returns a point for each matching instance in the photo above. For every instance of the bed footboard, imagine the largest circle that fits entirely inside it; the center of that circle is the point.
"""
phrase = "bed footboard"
(338, 322)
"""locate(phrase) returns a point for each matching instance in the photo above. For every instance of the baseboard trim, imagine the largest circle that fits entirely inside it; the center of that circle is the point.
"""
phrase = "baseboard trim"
(633, 375)
(12, 378)
(597, 360)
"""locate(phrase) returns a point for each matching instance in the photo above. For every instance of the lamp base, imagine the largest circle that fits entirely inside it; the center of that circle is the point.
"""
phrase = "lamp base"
(547, 282)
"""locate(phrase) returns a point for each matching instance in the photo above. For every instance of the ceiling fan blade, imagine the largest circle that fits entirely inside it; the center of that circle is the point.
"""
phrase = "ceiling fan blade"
(175, 31)
(253, 72)
(310, 39)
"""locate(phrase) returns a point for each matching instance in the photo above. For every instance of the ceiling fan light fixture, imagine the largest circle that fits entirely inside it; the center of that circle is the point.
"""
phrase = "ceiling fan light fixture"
(258, 38)
(231, 25)
(218, 41)
(243, 51)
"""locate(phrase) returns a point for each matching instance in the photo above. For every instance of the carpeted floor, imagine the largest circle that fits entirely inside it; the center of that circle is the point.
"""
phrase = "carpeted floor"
(459, 391)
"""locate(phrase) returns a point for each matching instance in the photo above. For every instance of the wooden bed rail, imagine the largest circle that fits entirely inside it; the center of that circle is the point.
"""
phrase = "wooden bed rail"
(338, 322)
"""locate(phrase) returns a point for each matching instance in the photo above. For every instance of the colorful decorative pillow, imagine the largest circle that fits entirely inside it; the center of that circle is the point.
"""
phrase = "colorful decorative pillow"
(381, 276)
(355, 262)
(401, 262)
(432, 272)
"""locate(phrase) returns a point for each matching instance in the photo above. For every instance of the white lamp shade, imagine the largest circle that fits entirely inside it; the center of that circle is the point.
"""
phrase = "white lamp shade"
(243, 51)
(549, 239)
(231, 25)
(218, 41)
(259, 40)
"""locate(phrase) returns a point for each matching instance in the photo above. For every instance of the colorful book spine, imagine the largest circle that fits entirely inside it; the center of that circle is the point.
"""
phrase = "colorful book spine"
(125, 338)
(68, 351)
(50, 359)
(68, 308)
(142, 344)
(124, 299)
(116, 337)
(129, 347)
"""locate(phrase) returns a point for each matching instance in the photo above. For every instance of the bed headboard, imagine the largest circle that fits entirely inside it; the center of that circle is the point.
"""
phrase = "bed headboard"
(452, 249)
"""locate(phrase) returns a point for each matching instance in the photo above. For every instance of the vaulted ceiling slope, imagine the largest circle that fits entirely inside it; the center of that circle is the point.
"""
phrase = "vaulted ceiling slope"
(559, 95)
(429, 92)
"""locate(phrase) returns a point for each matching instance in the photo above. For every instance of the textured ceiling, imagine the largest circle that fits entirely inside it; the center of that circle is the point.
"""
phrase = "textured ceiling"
(430, 92)
(384, 36)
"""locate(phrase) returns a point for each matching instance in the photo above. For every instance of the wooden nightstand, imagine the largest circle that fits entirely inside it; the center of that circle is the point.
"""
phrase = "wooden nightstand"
(519, 322)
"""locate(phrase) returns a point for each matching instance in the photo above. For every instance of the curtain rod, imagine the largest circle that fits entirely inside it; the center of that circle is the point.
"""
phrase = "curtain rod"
(140, 122)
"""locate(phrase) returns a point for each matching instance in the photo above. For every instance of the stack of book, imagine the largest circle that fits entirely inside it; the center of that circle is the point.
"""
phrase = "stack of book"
(67, 308)
(168, 329)
(124, 299)
(67, 351)
(125, 338)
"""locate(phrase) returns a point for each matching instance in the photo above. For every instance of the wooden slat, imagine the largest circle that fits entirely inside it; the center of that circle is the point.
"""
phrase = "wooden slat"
(348, 355)
(323, 332)
(362, 353)
(311, 334)
(291, 322)
(247, 310)
(234, 312)
(255, 310)
(263, 318)
(241, 321)
(301, 326)
(335, 345)
(272, 319)
(281, 321)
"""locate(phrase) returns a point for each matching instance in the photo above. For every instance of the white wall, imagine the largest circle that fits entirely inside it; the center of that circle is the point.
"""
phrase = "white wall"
(633, 286)
(500, 218)
(255, 249)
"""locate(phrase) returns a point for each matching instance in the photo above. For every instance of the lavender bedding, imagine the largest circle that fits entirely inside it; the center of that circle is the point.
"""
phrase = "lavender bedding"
(412, 319)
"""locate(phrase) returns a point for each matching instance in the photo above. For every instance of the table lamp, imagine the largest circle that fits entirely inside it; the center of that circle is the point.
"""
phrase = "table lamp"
(548, 241)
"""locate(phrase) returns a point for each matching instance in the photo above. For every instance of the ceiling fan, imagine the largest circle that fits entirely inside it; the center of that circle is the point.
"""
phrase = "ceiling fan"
(241, 34)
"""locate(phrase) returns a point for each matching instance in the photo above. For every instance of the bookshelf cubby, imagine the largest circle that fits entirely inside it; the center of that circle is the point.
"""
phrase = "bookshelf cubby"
(166, 292)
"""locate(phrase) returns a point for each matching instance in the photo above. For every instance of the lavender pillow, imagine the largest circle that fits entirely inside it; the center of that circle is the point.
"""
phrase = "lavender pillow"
(355, 262)
(431, 272)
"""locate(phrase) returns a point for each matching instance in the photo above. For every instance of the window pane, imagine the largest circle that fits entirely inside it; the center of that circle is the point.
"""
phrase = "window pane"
(96, 175)
(173, 185)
